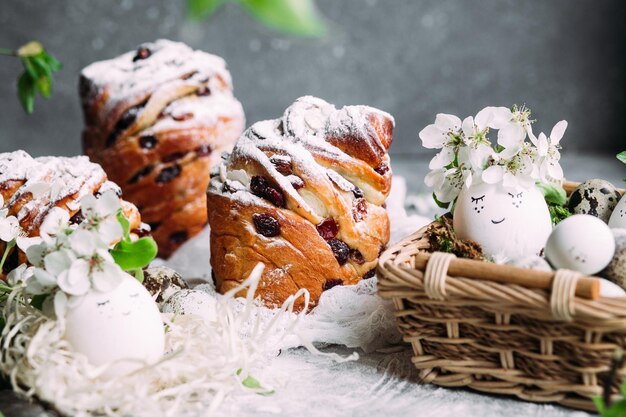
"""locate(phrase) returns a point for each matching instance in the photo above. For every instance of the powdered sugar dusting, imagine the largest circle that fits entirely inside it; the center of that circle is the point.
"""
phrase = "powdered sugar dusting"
(297, 138)
(15, 165)
(48, 180)
(126, 76)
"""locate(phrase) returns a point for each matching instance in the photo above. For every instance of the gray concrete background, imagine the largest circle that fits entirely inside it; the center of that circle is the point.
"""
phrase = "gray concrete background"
(413, 58)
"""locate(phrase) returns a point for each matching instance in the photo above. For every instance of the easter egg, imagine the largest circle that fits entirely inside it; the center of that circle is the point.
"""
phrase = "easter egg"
(505, 222)
(581, 243)
(161, 282)
(191, 302)
(118, 327)
(594, 197)
(531, 262)
(616, 269)
(618, 217)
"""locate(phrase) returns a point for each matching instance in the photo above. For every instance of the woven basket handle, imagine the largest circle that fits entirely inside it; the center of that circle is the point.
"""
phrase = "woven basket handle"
(435, 275)
(563, 292)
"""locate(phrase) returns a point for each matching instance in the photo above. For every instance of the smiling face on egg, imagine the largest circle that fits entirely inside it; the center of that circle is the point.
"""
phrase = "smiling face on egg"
(506, 222)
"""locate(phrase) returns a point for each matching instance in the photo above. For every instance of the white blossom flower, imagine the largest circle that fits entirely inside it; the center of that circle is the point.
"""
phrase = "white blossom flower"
(106, 275)
(19, 275)
(56, 220)
(9, 226)
(444, 134)
(100, 213)
(548, 153)
(106, 205)
(516, 172)
(447, 183)
(75, 280)
(512, 134)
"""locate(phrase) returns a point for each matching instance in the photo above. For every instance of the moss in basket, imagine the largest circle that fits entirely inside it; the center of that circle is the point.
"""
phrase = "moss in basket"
(443, 239)
(556, 199)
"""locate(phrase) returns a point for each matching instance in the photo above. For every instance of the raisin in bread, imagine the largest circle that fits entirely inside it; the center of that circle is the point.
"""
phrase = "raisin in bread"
(32, 187)
(157, 119)
(304, 194)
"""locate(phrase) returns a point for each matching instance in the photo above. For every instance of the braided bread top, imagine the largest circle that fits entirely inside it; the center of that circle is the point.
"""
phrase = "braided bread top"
(31, 187)
(127, 94)
(317, 160)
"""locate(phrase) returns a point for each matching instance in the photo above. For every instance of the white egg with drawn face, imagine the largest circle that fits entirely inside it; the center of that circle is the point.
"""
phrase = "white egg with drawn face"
(505, 222)
(122, 326)
(582, 243)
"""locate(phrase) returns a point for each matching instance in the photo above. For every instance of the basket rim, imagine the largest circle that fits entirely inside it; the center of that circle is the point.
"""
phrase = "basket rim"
(394, 281)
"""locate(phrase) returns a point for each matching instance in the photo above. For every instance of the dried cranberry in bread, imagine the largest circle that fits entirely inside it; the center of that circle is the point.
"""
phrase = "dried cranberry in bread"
(157, 119)
(304, 194)
(31, 187)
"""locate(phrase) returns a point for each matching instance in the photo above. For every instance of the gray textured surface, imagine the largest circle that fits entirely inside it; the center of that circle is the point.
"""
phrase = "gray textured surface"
(564, 58)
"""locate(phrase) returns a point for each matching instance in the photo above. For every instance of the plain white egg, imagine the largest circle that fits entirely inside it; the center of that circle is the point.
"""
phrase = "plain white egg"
(618, 217)
(505, 222)
(194, 302)
(581, 243)
(610, 289)
(122, 326)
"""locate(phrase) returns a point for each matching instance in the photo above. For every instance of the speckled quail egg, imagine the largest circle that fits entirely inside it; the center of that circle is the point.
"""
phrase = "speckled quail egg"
(618, 218)
(616, 270)
(595, 197)
(195, 302)
(162, 282)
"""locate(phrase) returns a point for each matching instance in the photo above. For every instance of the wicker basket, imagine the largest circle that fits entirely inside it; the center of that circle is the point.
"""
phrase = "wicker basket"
(541, 345)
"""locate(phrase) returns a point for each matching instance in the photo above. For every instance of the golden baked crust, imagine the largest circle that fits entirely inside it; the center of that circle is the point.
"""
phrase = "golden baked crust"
(303, 194)
(156, 119)
(31, 187)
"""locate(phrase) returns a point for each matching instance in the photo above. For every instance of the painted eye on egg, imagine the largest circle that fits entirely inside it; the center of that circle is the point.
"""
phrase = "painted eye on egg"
(479, 203)
(517, 198)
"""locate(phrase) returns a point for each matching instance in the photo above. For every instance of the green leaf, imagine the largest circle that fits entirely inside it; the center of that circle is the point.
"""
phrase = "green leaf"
(200, 9)
(439, 203)
(253, 383)
(554, 194)
(139, 275)
(30, 68)
(125, 224)
(599, 403)
(26, 92)
(622, 156)
(297, 17)
(134, 255)
(52, 62)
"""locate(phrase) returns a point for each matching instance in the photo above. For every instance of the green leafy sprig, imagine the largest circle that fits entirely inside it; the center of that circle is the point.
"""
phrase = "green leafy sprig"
(133, 256)
(293, 17)
(556, 198)
(39, 66)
